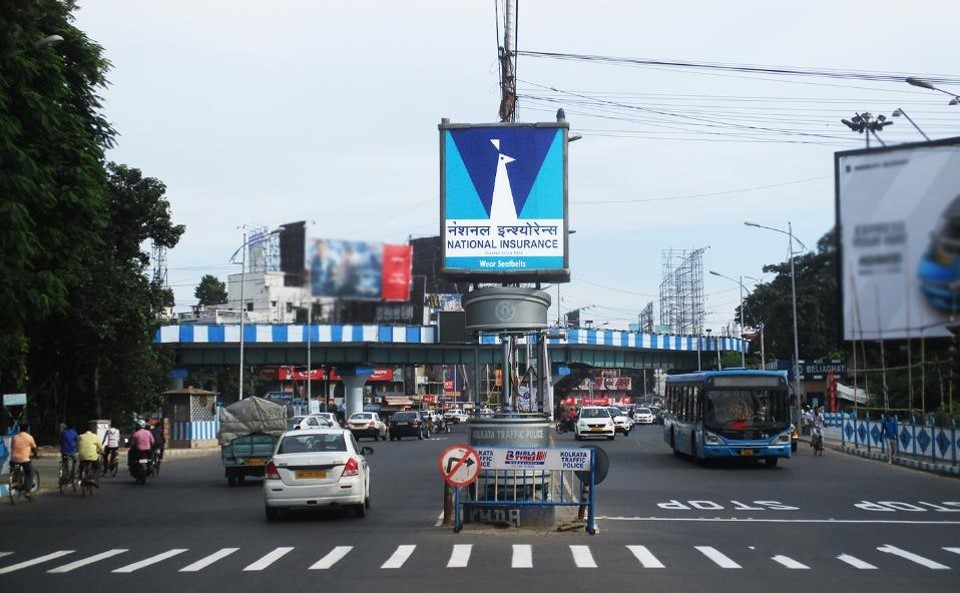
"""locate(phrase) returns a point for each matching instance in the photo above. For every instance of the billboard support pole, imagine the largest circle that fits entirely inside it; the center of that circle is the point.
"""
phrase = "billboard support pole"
(796, 339)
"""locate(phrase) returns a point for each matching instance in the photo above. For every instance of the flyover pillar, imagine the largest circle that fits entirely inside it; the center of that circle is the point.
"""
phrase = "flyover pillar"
(353, 381)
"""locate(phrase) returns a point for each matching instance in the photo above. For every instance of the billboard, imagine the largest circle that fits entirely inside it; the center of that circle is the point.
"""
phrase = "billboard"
(503, 201)
(898, 211)
(359, 270)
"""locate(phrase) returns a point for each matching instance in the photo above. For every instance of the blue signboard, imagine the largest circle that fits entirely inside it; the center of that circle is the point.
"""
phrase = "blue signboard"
(503, 203)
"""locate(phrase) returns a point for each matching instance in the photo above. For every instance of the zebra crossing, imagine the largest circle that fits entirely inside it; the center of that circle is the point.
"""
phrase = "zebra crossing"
(522, 556)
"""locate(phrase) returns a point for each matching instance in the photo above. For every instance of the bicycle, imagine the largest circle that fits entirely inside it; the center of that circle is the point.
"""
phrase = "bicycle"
(17, 489)
(110, 465)
(88, 478)
(67, 473)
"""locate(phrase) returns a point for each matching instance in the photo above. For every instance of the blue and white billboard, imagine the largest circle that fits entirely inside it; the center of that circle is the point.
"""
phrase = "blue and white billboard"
(503, 201)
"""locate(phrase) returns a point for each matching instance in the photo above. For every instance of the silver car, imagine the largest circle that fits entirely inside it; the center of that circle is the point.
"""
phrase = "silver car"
(315, 468)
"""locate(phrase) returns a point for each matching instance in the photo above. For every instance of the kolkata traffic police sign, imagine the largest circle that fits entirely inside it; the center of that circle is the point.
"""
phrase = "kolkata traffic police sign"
(459, 465)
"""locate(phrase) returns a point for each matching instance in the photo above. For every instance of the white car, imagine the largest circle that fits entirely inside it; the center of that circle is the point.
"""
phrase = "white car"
(621, 422)
(644, 416)
(331, 417)
(367, 424)
(455, 415)
(317, 467)
(594, 421)
(311, 421)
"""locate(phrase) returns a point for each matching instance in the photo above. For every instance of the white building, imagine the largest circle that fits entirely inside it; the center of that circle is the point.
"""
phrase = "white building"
(265, 298)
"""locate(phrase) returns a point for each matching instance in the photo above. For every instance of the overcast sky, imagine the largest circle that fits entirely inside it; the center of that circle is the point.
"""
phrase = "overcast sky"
(271, 112)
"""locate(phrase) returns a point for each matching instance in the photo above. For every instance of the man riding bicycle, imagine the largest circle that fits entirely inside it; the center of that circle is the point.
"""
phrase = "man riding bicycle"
(22, 448)
(111, 444)
(68, 450)
(89, 449)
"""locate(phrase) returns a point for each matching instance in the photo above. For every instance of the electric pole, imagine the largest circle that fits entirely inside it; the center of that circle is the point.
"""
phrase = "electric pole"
(508, 68)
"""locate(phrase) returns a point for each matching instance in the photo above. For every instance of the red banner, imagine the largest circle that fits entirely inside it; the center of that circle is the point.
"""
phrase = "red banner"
(832, 391)
(397, 266)
(291, 374)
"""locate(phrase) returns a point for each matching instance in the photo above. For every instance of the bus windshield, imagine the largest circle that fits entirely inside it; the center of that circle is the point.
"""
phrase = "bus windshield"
(736, 410)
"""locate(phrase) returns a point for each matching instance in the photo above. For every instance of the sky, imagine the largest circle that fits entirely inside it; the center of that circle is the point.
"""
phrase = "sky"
(264, 113)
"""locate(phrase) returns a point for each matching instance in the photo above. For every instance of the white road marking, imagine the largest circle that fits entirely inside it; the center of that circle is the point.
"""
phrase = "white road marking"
(749, 520)
(268, 559)
(790, 563)
(522, 556)
(151, 560)
(86, 561)
(205, 562)
(335, 555)
(646, 558)
(460, 556)
(2, 554)
(582, 557)
(40, 560)
(954, 550)
(718, 557)
(855, 562)
(399, 557)
(888, 549)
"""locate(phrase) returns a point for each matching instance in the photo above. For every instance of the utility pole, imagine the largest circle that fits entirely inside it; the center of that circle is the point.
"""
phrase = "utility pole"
(508, 68)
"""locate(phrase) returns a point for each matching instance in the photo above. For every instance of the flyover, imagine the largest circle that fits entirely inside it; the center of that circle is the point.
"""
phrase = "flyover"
(270, 345)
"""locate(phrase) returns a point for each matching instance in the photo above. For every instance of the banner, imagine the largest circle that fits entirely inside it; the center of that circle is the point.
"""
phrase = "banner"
(503, 201)
(542, 459)
(359, 270)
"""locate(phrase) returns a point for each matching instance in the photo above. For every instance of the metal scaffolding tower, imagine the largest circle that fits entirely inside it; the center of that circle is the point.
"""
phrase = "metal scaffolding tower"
(681, 291)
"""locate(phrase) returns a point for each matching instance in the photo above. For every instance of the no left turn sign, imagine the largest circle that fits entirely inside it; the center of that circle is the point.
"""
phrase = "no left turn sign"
(459, 465)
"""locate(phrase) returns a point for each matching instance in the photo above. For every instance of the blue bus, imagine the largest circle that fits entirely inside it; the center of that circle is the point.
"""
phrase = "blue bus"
(733, 413)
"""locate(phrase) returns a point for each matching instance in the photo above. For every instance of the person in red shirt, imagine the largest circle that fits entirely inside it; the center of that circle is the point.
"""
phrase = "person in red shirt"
(141, 441)
(22, 448)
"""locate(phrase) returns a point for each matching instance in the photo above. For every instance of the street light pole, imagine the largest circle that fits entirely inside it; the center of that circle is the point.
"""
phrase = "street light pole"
(743, 355)
(793, 295)
(243, 312)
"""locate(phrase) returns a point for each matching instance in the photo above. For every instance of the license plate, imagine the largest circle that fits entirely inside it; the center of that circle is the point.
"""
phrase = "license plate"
(254, 462)
(747, 452)
(310, 474)
(596, 430)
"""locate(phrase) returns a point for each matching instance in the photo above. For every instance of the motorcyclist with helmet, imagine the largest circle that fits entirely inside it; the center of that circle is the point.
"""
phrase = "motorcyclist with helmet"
(141, 442)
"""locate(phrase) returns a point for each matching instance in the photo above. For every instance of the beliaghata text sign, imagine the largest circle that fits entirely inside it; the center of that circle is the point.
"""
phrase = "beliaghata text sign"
(533, 458)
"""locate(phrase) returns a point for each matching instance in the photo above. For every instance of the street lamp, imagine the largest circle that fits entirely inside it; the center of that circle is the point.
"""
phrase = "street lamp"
(743, 355)
(900, 112)
(763, 352)
(243, 281)
(793, 295)
(924, 84)
(708, 338)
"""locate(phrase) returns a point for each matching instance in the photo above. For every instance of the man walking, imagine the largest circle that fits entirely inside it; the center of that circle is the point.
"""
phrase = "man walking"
(890, 433)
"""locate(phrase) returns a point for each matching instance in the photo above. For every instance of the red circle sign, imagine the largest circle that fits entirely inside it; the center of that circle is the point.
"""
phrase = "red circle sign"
(459, 465)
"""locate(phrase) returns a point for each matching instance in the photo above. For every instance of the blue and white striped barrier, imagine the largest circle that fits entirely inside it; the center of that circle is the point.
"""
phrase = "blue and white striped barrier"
(928, 443)
(197, 430)
(405, 334)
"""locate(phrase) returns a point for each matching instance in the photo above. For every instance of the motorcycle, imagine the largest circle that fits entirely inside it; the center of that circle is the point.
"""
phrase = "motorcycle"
(142, 468)
(817, 441)
(564, 425)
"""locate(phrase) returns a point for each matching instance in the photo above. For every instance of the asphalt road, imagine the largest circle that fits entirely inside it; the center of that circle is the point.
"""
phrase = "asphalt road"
(831, 523)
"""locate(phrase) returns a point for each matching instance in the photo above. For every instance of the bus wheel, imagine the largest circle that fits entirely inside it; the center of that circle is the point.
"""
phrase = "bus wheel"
(673, 442)
(771, 461)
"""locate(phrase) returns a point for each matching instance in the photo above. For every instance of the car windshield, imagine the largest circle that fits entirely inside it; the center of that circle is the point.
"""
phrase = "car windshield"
(404, 416)
(614, 412)
(362, 417)
(312, 443)
(745, 409)
(644, 411)
(594, 413)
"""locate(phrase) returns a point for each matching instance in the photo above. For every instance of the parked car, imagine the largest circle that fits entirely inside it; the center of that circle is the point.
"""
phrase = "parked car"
(406, 424)
(621, 422)
(331, 417)
(317, 467)
(367, 424)
(594, 421)
(485, 413)
(455, 415)
(644, 416)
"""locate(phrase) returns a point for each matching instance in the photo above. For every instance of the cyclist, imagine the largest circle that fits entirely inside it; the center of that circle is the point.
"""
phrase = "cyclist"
(141, 441)
(22, 448)
(818, 423)
(111, 444)
(68, 451)
(89, 449)
(158, 441)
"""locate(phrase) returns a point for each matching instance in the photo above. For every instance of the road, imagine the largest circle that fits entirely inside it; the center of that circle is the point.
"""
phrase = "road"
(823, 523)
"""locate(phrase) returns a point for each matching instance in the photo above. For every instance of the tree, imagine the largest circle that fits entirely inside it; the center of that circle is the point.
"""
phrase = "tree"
(52, 141)
(210, 291)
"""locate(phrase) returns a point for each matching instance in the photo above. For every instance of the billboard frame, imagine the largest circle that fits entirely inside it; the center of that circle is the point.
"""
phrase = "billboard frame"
(458, 274)
(838, 223)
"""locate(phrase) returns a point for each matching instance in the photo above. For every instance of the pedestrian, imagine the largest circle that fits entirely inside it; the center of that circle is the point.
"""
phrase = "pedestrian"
(22, 449)
(890, 433)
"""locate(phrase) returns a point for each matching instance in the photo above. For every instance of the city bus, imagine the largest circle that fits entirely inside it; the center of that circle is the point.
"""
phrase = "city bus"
(732, 413)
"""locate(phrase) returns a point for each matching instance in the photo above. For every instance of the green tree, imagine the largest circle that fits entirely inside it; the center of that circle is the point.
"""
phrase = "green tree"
(210, 291)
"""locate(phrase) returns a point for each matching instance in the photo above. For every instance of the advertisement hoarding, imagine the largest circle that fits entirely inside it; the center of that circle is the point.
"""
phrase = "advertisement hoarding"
(360, 270)
(503, 201)
(898, 211)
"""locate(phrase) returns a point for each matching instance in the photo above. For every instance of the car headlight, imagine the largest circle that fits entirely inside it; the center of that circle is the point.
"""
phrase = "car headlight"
(581, 424)
(784, 438)
(711, 439)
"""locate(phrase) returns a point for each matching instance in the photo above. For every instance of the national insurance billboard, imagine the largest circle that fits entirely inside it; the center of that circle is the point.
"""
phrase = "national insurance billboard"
(503, 201)
(898, 210)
